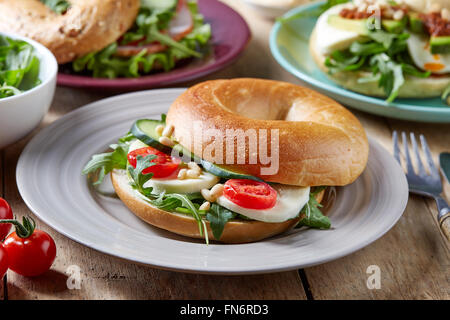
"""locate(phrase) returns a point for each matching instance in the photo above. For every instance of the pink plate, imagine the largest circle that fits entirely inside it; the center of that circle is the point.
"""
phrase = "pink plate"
(230, 35)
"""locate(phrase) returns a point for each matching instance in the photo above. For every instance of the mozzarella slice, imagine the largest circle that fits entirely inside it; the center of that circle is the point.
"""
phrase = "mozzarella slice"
(290, 200)
(171, 184)
(329, 38)
(419, 49)
(136, 144)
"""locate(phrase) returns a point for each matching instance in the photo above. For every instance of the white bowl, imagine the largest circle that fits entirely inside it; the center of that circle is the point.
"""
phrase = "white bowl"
(21, 113)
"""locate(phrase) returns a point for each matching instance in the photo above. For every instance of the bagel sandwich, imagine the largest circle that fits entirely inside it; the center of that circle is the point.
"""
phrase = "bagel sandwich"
(386, 48)
(111, 38)
(236, 161)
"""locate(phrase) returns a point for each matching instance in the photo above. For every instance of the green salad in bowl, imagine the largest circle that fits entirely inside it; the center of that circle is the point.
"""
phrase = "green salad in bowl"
(19, 67)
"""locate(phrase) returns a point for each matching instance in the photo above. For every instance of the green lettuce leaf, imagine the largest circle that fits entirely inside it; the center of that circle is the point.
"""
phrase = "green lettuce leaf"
(19, 67)
(314, 218)
(102, 164)
(218, 216)
(383, 54)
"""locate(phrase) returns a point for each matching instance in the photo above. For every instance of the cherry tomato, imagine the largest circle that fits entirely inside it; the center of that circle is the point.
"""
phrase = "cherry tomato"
(5, 213)
(31, 252)
(165, 164)
(3, 261)
(250, 194)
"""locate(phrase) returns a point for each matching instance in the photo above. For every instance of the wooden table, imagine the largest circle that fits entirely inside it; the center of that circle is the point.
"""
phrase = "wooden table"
(413, 257)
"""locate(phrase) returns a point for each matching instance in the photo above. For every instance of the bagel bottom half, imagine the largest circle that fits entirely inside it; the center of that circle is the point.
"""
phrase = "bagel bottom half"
(235, 231)
(413, 87)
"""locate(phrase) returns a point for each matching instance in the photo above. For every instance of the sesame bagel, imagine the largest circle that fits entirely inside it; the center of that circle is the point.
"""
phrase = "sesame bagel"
(319, 141)
(87, 26)
(235, 231)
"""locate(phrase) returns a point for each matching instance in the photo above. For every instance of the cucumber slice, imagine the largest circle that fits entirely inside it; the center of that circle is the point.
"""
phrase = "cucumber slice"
(145, 130)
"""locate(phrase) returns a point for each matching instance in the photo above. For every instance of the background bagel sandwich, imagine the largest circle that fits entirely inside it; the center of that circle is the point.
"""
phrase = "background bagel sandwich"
(111, 38)
(386, 48)
(162, 172)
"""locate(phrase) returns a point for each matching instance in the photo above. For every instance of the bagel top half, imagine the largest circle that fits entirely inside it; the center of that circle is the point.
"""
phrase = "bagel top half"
(88, 25)
(319, 141)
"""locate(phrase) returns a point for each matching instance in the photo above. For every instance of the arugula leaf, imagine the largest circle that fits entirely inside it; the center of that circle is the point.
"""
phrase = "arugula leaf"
(103, 163)
(383, 54)
(391, 78)
(139, 178)
(218, 216)
(19, 67)
(58, 6)
(314, 218)
(149, 27)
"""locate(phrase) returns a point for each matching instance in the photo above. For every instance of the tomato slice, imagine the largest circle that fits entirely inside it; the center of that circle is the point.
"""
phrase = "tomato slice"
(250, 194)
(5, 213)
(165, 165)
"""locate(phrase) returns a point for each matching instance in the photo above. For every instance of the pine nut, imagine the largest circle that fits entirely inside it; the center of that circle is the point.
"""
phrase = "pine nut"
(217, 190)
(206, 194)
(435, 7)
(194, 166)
(166, 141)
(445, 13)
(159, 129)
(168, 130)
(398, 15)
(192, 174)
(205, 206)
(182, 174)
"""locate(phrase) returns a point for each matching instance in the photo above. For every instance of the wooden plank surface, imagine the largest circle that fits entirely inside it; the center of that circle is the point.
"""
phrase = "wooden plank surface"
(413, 257)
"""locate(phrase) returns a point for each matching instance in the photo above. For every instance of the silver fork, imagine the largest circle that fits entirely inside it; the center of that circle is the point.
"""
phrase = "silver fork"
(421, 182)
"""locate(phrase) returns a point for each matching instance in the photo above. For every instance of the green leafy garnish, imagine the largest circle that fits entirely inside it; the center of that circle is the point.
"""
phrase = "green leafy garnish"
(383, 54)
(58, 6)
(149, 27)
(218, 216)
(19, 67)
(102, 164)
(314, 218)
(139, 178)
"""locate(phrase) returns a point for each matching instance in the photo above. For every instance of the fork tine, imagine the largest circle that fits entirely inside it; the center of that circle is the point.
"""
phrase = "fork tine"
(409, 166)
(396, 148)
(420, 166)
(426, 150)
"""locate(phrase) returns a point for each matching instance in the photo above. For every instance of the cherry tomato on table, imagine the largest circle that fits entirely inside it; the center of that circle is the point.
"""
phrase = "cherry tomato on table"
(164, 166)
(250, 194)
(3, 261)
(31, 252)
(5, 213)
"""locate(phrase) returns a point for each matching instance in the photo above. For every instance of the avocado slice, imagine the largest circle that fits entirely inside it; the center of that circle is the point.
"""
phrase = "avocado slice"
(439, 45)
(145, 130)
(416, 25)
(354, 25)
(394, 26)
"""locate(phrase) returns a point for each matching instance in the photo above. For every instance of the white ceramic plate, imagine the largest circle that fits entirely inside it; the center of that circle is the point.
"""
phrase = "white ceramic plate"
(50, 182)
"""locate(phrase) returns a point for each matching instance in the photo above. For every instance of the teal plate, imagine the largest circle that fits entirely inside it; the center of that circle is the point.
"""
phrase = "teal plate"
(289, 46)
